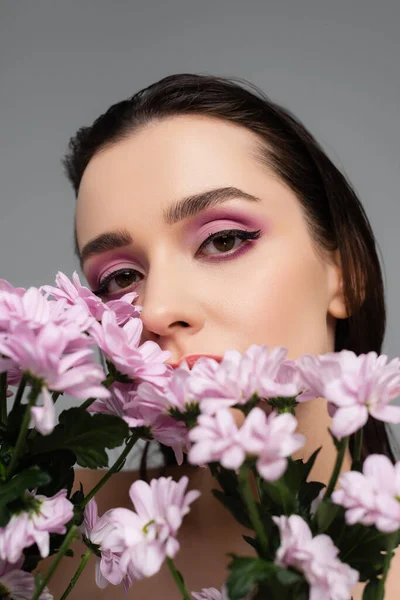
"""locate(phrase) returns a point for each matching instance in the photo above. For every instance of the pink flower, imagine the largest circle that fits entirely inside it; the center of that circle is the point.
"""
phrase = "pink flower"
(77, 294)
(175, 394)
(271, 439)
(31, 308)
(147, 536)
(316, 558)
(43, 354)
(372, 497)
(121, 347)
(239, 376)
(32, 526)
(216, 438)
(18, 585)
(44, 417)
(107, 566)
(210, 594)
(163, 428)
(5, 286)
(356, 386)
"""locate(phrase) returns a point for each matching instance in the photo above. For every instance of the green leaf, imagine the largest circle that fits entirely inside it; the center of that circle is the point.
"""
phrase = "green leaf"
(86, 435)
(310, 463)
(361, 547)
(371, 592)
(235, 506)
(283, 500)
(308, 491)
(245, 573)
(59, 465)
(326, 513)
(251, 541)
(293, 475)
(288, 577)
(28, 479)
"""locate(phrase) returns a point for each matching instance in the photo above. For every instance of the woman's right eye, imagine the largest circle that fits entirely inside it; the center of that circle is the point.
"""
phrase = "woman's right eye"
(118, 282)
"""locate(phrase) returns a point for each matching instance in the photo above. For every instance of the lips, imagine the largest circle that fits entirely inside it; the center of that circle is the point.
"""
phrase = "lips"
(192, 358)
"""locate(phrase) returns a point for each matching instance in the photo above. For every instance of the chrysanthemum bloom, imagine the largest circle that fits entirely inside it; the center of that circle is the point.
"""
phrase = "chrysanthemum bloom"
(355, 386)
(33, 524)
(239, 376)
(316, 558)
(161, 427)
(121, 346)
(35, 309)
(18, 585)
(372, 497)
(43, 354)
(6, 286)
(31, 308)
(77, 294)
(174, 395)
(216, 438)
(271, 439)
(107, 566)
(146, 537)
(210, 594)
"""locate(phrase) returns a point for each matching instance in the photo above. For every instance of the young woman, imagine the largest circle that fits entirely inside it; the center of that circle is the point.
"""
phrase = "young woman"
(227, 218)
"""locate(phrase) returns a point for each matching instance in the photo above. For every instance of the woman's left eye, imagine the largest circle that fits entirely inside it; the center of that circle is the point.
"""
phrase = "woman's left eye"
(225, 242)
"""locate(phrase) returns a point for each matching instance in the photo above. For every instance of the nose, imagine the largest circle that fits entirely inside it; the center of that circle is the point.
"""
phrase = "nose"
(171, 310)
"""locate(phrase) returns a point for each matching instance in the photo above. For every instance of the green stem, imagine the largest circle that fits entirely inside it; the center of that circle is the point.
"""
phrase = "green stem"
(72, 533)
(390, 546)
(20, 390)
(34, 393)
(115, 467)
(178, 579)
(82, 565)
(338, 467)
(3, 397)
(358, 441)
(247, 494)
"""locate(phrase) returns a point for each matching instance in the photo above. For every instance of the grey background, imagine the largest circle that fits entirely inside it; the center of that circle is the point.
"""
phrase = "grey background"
(335, 64)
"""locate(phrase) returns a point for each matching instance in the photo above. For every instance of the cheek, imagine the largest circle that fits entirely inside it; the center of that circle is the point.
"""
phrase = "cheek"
(281, 305)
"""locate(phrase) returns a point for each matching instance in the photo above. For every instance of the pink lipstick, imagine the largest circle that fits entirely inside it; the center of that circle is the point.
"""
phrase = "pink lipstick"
(192, 358)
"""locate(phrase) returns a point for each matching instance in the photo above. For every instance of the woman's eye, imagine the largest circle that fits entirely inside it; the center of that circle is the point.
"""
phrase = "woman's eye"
(226, 241)
(118, 281)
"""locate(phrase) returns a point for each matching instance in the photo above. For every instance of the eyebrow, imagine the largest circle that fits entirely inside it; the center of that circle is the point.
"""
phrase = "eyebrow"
(182, 209)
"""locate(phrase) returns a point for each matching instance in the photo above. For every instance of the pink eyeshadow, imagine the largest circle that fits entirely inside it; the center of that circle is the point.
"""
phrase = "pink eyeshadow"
(102, 264)
(224, 217)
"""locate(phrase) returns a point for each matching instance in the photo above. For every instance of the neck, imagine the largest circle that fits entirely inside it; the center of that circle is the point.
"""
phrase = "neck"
(314, 421)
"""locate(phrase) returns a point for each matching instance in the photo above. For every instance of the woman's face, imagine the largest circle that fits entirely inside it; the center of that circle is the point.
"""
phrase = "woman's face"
(162, 192)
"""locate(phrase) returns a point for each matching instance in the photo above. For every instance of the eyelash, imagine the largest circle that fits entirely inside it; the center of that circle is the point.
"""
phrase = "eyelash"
(238, 233)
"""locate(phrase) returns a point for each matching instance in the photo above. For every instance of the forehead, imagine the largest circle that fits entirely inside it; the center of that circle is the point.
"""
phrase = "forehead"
(162, 162)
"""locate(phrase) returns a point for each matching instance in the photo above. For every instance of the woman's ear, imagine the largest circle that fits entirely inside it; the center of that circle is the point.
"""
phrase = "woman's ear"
(337, 304)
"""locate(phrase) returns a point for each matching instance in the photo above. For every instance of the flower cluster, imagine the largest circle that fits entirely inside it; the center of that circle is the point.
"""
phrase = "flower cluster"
(355, 387)
(270, 438)
(48, 340)
(33, 524)
(18, 585)
(373, 496)
(316, 557)
(134, 545)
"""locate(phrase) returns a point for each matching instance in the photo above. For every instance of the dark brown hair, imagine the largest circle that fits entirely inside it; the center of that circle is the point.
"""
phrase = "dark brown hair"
(334, 214)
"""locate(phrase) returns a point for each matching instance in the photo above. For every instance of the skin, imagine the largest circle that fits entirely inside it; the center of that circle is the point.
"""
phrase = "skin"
(280, 291)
